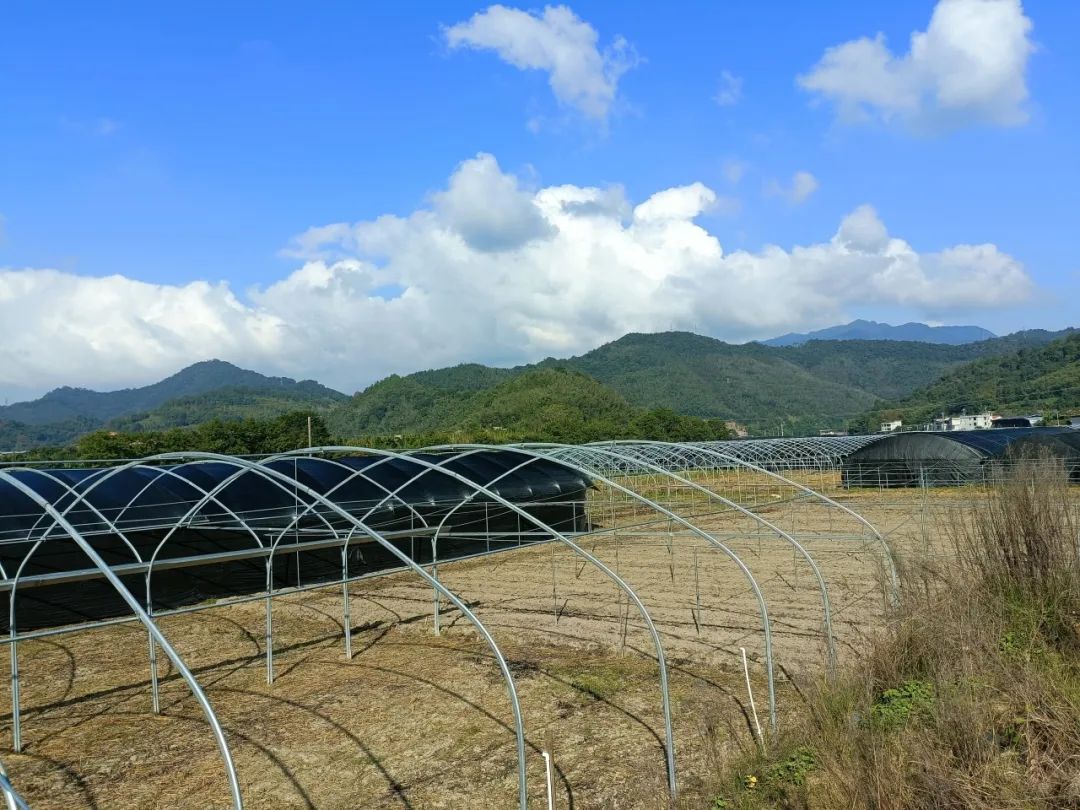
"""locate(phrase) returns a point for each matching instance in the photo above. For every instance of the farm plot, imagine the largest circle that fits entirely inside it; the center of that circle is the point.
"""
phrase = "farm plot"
(419, 720)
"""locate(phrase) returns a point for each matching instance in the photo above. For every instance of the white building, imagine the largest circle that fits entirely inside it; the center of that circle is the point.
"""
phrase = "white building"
(1074, 421)
(964, 421)
(889, 427)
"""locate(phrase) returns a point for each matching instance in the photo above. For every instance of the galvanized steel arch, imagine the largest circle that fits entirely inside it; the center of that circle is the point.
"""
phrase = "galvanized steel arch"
(535, 455)
(283, 481)
(12, 799)
(355, 473)
(269, 474)
(209, 496)
(13, 649)
(345, 598)
(826, 606)
(80, 498)
(813, 452)
(151, 626)
(792, 452)
(723, 548)
(669, 748)
(890, 559)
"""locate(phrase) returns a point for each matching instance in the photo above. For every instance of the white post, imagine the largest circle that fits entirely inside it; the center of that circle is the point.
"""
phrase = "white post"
(550, 781)
(750, 692)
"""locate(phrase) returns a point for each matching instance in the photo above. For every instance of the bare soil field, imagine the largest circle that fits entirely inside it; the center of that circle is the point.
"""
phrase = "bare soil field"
(419, 720)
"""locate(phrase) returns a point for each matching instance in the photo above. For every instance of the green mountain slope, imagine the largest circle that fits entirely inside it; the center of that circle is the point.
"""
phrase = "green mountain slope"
(1042, 379)
(231, 404)
(757, 384)
(883, 368)
(893, 369)
(202, 392)
(701, 376)
(821, 384)
(21, 436)
(799, 389)
(677, 371)
(534, 404)
(79, 403)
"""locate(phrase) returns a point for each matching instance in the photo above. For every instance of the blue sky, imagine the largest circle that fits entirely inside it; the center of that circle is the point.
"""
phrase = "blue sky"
(184, 149)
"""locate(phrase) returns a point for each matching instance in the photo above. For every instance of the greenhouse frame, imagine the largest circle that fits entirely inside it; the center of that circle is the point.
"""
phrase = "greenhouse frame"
(82, 548)
(953, 458)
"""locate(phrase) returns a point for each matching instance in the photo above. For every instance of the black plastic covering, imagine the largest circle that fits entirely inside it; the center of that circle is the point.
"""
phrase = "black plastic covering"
(955, 457)
(149, 504)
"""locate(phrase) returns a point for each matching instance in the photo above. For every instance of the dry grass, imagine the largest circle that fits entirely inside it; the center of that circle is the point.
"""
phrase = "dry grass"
(422, 721)
(970, 697)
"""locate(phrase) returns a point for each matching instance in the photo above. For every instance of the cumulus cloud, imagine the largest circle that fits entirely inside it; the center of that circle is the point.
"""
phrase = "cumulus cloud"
(78, 330)
(489, 208)
(796, 192)
(968, 67)
(730, 90)
(578, 266)
(557, 42)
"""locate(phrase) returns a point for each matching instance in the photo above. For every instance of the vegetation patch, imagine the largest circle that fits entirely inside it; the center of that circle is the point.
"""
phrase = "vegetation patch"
(969, 699)
(895, 707)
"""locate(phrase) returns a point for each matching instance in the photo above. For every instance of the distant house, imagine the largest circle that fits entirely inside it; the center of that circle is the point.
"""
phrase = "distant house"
(964, 421)
(889, 427)
(1074, 421)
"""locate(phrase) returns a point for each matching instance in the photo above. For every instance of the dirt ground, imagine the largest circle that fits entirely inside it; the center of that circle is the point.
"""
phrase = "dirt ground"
(419, 720)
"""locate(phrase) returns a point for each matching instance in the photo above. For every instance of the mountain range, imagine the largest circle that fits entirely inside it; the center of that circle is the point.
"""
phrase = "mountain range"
(639, 379)
(872, 330)
(820, 384)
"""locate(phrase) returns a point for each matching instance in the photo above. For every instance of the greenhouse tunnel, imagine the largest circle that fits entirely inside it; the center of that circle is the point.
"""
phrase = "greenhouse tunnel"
(144, 504)
(953, 458)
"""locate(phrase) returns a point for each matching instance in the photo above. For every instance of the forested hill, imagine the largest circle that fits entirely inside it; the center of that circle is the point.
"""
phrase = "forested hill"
(212, 375)
(893, 369)
(204, 391)
(752, 383)
(797, 389)
(684, 373)
(533, 404)
(817, 385)
(1043, 379)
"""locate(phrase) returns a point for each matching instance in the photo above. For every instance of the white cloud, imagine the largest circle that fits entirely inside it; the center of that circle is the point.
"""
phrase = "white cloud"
(78, 330)
(488, 208)
(798, 191)
(729, 91)
(967, 67)
(578, 266)
(556, 41)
